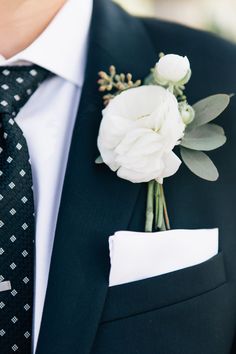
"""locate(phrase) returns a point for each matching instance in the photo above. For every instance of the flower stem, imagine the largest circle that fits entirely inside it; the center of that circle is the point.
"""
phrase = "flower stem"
(167, 221)
(171, 88)
(157, 196)
(161, 221)
(150, 207)
(156, 212)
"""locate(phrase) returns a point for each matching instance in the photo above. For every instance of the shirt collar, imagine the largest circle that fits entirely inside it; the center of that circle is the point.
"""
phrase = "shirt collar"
(62, 47)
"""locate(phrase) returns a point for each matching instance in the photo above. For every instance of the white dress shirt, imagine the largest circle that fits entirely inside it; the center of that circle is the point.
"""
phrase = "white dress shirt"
(47, 121)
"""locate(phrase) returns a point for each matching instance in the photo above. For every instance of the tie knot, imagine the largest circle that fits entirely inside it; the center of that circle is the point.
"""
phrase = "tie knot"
(17, 84)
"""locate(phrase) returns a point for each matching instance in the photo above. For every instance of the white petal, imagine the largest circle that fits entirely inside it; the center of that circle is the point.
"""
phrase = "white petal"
(135, 177)
(172, 164)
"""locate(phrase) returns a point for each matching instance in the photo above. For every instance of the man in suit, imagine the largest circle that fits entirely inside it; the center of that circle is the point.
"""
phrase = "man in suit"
(79, 204)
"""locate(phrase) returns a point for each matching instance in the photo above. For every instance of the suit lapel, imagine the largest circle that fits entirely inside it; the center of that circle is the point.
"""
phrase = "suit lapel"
(95, 202)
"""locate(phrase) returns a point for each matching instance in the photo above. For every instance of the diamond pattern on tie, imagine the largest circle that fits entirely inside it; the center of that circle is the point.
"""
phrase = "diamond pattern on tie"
(17, 224)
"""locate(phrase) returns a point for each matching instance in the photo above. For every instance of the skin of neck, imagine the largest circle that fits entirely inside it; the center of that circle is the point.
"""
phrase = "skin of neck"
(22, 21)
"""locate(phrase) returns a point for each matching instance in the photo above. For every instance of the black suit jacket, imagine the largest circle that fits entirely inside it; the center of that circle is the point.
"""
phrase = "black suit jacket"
(191, 311)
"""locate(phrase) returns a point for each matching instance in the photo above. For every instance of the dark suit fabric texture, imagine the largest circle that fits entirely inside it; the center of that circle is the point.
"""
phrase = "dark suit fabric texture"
(190, 311)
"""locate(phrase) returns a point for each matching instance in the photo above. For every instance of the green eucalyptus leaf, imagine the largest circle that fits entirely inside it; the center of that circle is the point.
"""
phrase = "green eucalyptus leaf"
(99, 160)
(200, 164)
(204, 138)
(208, 109)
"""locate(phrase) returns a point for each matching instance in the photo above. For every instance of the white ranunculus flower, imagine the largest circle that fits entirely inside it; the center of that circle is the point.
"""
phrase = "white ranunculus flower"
(172, 68)
(139, 129)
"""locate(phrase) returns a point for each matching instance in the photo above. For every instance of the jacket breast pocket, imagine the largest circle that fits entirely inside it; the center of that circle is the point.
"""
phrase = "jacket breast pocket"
(161, 291)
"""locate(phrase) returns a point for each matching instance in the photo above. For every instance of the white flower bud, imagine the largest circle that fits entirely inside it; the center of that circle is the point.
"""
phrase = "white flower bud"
(187, 113)
(174, 69)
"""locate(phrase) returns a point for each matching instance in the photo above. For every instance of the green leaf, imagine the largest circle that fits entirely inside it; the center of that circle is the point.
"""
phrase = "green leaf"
(208, 109)
(99, 160)
(204, 138)
(200, 164)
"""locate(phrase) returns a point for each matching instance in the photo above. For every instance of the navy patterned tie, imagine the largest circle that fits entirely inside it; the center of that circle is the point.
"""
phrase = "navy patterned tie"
(17, 224)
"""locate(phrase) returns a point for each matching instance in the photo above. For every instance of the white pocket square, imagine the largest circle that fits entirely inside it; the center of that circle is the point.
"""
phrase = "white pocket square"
(136, 256)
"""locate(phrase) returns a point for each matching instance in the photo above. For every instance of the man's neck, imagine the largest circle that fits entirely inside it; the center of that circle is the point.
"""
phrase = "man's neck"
(22, 21)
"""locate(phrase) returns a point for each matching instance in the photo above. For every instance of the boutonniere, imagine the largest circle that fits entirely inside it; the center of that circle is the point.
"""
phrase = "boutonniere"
(143, 123)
